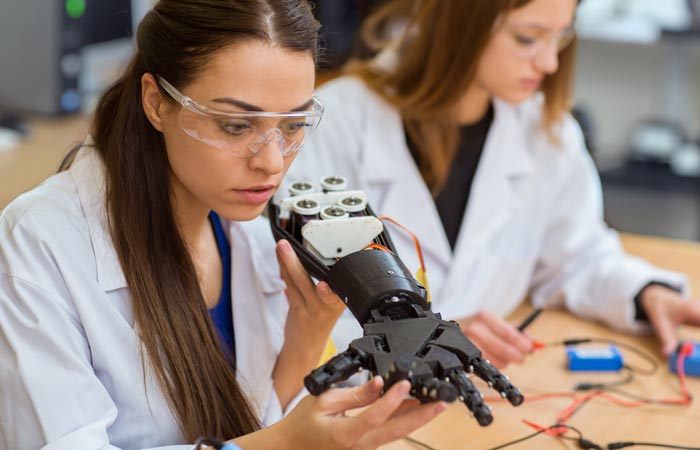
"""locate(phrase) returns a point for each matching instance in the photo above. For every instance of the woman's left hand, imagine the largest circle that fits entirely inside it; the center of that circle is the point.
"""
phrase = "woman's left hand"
(313, 311)
(666, 310)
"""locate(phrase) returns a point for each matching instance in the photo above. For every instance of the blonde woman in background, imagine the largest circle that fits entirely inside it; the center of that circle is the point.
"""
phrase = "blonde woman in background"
(460, 130)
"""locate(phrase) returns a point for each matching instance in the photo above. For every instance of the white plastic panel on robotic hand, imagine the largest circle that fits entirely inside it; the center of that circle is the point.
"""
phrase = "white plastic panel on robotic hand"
(322, 198)
(339, 238)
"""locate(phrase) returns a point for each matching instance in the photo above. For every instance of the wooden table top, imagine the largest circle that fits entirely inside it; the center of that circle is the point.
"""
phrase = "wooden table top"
(545, 372)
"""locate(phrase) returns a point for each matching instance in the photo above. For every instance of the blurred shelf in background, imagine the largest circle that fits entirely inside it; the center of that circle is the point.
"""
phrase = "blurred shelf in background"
(647, 198)
(639, 63)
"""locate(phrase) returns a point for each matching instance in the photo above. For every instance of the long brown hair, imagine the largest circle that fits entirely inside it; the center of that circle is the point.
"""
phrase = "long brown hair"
(176, 40)
(439, 53)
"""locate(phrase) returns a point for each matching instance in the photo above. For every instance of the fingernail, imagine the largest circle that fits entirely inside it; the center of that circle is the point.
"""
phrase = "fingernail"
(404, 387)
(284, 247)
(323, 288)
(440, 407)
(376, 383)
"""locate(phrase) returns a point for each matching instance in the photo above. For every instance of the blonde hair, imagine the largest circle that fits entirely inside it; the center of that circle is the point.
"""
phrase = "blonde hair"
(438, 61)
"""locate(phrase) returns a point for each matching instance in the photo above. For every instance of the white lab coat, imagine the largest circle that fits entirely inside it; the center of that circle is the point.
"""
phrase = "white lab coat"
(533, 223)
(71, 371)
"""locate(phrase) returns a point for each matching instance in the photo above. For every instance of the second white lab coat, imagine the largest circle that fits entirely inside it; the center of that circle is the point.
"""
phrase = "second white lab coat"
(533, 224)
(70, 365)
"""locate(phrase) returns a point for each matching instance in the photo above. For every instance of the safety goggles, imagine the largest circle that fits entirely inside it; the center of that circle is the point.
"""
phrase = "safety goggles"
(531, 42)
(245, 133)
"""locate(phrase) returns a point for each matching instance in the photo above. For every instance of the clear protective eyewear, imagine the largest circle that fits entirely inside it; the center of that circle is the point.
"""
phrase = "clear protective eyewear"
(245, 133)
(532, 41)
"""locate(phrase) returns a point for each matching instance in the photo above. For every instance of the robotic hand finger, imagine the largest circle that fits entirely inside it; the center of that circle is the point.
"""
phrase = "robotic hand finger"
(337, 369)
(495, 379)
(471, 397)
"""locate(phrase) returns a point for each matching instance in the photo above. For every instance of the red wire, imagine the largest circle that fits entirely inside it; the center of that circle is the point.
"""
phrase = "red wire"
(565, 414)
(549, 431)
(686, 349)
(538, 345)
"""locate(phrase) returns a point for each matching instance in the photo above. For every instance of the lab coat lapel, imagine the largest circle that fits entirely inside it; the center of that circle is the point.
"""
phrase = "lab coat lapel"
(494, 197)
(252, 282)
(89, 177)
(391, 171)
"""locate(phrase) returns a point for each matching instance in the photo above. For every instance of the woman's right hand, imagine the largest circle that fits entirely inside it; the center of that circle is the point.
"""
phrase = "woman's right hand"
(313, 311)
(499, 341)
(320, 422)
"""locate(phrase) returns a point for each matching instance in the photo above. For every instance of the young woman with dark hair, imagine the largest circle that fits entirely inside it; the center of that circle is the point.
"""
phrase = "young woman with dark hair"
(140, 304)
(460, 130)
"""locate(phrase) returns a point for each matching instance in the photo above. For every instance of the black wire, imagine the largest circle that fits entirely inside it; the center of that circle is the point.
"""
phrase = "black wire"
(585, 386)
(617, 445)
(536, 433)
(568, 427)
(517, 441)
(584, 443)
(419, 443)
(654, 365)
(578, 407)
(610, 386)
(581, 441)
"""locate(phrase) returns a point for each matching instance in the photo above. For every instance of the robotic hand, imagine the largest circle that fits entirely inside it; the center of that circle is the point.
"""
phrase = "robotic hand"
(340, 240)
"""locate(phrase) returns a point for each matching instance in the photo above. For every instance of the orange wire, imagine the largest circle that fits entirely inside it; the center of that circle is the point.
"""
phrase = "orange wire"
(549, 431)
(415, 239)
(377, 247)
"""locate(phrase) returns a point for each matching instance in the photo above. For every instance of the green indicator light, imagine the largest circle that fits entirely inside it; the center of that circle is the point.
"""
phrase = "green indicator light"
(75, 8)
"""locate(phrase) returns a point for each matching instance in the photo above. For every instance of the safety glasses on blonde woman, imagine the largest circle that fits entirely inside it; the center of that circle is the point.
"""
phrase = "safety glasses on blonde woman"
(245, 133)
(531, 41)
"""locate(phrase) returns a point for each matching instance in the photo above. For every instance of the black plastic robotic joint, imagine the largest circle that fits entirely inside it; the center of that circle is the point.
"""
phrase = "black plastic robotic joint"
(402, 339)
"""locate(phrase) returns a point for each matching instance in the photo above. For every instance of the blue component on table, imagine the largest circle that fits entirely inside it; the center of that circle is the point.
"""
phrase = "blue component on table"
(594, 359)
(691, 364)
(230, 446)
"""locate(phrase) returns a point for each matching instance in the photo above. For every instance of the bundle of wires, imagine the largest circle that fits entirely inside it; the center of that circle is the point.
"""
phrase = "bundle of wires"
(604, 391)
(609, 392)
